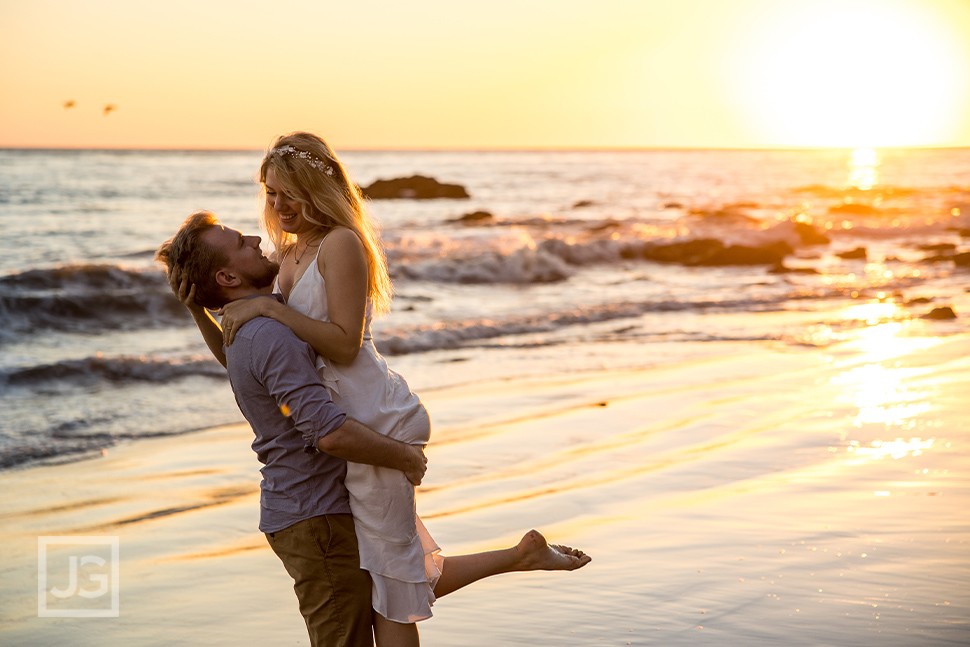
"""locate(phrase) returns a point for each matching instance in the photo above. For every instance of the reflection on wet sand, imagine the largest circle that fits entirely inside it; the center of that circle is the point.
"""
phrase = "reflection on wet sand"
(792, 495)
(214, 498)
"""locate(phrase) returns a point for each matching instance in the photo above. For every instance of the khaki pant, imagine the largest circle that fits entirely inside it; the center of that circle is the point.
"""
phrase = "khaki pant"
(320, 554)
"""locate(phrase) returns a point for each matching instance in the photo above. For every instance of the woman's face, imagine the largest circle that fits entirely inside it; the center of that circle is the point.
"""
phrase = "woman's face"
(289, 211)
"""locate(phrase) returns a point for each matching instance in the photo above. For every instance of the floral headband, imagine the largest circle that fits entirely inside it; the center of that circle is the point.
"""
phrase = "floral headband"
(304, 155)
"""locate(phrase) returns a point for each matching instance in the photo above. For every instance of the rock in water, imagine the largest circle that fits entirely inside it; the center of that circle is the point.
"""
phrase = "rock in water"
(945, 312)
(416, 187)
(857, 253)
(810, 235)
(854, 209)
(474, 218)
(710, 252)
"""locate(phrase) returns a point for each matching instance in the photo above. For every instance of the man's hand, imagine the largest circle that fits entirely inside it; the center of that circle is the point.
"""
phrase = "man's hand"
(416, 473)
(355, 442)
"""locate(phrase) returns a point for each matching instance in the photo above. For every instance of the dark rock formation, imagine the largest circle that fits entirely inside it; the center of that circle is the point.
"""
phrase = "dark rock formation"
(857, 253)
(945, 312)
(416, 187)
(710, 252)
(854, 209)
(939, 247)
(728, 214)
(474, 218)
(962, 259)
(780, 268)
(810, 235)
(603, 226)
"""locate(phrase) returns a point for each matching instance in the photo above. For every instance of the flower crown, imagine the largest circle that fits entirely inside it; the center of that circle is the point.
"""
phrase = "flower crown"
(309, 158)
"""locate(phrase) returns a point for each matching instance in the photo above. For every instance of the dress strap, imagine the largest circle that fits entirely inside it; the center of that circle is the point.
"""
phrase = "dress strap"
(320, 245)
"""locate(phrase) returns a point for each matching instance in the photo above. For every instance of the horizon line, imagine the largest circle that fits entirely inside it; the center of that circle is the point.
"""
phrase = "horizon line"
(524, 149)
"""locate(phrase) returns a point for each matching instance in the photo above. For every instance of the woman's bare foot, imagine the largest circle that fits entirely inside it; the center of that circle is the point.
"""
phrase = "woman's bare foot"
(536, 554)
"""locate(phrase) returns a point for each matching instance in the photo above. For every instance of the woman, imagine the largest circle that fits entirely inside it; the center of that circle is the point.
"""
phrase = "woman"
(334, 278)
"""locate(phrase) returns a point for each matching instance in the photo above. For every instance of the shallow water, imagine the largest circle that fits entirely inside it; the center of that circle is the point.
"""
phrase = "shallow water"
(731, 493)
(95, 349)
(750, 458)
(764, 497)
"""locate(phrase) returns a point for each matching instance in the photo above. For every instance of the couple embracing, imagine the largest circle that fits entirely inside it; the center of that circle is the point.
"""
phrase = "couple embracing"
(340, 436)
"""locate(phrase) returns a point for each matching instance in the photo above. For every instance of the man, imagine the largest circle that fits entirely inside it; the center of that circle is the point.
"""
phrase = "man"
(302, 438)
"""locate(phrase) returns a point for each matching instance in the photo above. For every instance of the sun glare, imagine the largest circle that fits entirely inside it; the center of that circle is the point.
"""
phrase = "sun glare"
(850, 73)
(864, 169)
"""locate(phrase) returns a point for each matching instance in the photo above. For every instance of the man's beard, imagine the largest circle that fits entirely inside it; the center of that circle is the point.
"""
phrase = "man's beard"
(266, 277)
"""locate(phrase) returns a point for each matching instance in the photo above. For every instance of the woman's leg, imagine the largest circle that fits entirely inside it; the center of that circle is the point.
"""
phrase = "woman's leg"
(388, 633)
(532, 553)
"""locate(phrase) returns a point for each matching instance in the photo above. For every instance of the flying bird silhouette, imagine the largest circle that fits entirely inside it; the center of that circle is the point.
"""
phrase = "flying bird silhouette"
(108, 109)
(69, 104)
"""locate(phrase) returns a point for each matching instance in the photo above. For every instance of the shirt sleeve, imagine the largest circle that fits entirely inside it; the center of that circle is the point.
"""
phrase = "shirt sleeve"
(285, 365)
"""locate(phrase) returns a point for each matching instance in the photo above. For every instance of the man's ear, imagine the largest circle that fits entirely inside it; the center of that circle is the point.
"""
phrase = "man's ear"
(226, 279)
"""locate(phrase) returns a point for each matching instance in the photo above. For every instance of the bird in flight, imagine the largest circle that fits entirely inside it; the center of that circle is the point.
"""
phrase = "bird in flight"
(108, 109)
(69, 104)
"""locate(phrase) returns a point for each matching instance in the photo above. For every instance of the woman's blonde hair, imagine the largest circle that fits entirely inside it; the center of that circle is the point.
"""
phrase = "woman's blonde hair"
(309, 173)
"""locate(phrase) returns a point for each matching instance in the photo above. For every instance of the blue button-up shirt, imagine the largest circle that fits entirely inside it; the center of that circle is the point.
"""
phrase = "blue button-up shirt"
(275, 382)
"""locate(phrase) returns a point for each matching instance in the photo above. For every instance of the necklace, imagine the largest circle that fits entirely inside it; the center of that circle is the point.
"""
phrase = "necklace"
(297, 257)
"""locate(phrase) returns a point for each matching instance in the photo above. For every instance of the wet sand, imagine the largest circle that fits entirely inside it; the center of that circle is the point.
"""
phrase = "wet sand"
(730, 494)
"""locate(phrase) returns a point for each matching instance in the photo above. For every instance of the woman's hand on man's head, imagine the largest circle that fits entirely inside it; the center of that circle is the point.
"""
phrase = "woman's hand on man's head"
(184, 291)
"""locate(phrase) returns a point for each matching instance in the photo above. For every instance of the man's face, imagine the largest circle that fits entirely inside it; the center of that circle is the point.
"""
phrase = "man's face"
(245, 258)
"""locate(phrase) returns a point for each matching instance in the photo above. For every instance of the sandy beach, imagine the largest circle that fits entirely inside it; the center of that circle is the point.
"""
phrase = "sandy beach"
(683, 285)
(730, 494)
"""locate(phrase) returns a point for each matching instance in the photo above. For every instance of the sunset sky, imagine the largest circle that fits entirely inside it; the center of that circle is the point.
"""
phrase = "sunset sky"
(501, 74)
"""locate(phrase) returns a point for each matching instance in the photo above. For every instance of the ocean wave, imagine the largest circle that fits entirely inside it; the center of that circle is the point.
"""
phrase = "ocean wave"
(464, 333)
(83, 298)
(33, 452)
(86, 277)
(879, 191)
(556, 258)
(552, 254)
(522, 266)
(115, 369)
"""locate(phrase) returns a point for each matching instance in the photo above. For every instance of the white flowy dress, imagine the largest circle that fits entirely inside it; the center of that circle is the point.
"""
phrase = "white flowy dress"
(403, 559)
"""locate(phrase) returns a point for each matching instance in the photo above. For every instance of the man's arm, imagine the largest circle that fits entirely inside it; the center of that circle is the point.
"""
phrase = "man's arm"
(355, 442)
(285, 366)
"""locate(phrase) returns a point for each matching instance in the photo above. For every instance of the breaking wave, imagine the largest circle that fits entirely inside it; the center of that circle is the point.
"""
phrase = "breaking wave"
(115, 369)
(83, 298)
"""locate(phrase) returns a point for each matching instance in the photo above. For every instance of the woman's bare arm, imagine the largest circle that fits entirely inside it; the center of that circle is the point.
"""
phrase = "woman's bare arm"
(343, 264)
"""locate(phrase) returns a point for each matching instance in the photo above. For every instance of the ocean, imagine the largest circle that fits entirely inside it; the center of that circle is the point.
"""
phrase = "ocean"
(94, 349)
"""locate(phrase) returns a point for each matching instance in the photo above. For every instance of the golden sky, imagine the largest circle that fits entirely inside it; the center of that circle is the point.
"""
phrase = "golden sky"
(501, 74)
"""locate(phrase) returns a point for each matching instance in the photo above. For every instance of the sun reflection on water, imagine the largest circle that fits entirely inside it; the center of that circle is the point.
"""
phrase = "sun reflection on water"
(881, 397)
(873, 312)
(884, 336)
(898, 448)
(863, 165)
(884, 392)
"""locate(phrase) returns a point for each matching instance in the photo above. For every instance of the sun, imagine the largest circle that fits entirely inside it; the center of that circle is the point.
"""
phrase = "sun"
(849, 73)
